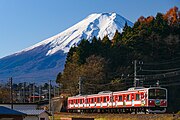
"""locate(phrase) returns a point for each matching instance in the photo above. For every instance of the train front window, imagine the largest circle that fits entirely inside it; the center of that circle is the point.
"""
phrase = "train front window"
(157, 94)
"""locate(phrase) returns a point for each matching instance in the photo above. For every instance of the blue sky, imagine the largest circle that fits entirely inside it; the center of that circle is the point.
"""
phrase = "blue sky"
(26, 22)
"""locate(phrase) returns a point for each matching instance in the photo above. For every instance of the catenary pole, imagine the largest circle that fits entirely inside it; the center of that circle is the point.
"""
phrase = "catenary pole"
(11, 93)
(49, 95)
(135, 74)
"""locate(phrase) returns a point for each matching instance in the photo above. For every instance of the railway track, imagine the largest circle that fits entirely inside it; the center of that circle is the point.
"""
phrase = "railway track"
(106, 116)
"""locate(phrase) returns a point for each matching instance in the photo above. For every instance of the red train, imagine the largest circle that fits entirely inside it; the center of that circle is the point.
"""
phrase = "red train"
(138, 99)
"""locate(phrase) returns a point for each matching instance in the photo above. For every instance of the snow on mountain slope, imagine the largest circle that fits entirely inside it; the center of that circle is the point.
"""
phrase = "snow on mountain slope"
(44, 60)
(97, 25)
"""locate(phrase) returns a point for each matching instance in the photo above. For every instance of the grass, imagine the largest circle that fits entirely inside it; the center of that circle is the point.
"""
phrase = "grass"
(117, 116)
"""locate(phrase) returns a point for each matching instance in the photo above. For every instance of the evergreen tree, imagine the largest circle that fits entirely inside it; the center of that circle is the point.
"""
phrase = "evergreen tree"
(83, 51)
(160, 25)
(106, 41)
(96, 46)
(117, 39)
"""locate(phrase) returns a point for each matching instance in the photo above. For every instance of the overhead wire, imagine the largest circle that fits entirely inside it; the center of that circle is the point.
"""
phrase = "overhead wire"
(171, 61)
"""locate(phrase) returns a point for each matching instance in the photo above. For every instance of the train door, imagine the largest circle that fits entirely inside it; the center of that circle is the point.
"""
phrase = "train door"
(115, 100)
(108, 101)
(88, 102)
(132, 99)
(101, 102)
(124, 100)
(111, 100)
(143, 102)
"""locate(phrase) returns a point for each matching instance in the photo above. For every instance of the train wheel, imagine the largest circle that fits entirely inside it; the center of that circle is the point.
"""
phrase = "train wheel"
(135, 111)
(145, 111)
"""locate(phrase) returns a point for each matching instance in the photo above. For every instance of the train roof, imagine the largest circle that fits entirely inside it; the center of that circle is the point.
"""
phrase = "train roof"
(139, 88)
(77, 96)
(131, 89)
(100, 93)
(104, 92)
(136, 88)
(110, 92)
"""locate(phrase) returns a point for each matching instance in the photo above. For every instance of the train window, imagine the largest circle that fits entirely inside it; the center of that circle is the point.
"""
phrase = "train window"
(112, 99)
(128, 97)
(80, 101)
(120, 98)
(142, 95)
(132, 96)
(76, 101)
(98, 100)
(71, 101)
(86, 101)
(108, 98)
(104, 99)
(115, 98)
(137, 97)
(157, 94)
(92, 100)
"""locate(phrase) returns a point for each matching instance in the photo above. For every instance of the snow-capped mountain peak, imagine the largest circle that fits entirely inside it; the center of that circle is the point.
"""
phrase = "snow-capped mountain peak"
(97, 25)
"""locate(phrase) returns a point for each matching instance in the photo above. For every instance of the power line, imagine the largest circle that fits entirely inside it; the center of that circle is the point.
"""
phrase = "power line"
(126, 80)
(174, 73)
(165, 70)
(172, 61)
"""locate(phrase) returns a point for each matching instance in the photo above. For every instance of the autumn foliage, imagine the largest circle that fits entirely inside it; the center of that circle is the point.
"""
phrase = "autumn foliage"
(172, 16)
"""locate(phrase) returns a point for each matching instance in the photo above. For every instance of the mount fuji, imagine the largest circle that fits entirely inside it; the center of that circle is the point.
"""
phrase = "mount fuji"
(43, 61)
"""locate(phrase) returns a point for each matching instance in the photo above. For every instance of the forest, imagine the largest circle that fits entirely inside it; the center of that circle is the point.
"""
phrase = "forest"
(104, 64)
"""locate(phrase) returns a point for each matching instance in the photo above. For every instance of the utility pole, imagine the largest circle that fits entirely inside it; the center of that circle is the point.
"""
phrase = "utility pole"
(52, 111)
(49, 95)
(11, 93)
(33, 92)
(24, 92)
(58, 91)
(29, 93)
(40, 93)
(19, 98)
(54, 88)
(136, 80)
(135, 74)
(80, 85)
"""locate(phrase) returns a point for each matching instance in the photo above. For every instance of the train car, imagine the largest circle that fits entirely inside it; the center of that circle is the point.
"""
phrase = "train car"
(89, 103)
(157, 100)
(98, 102)
(138, 99)
(76, 103)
